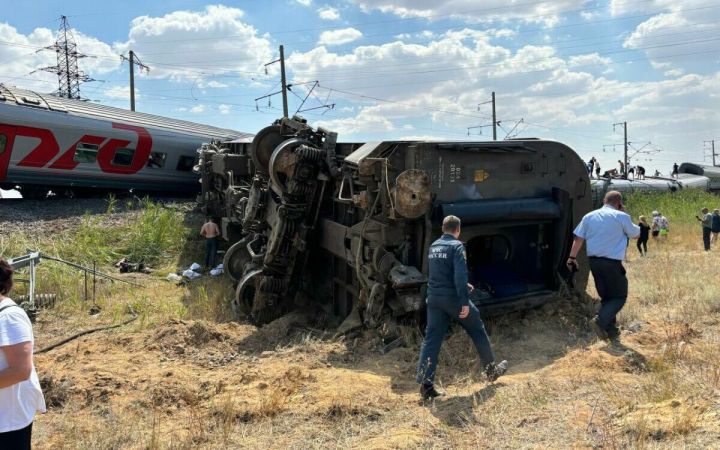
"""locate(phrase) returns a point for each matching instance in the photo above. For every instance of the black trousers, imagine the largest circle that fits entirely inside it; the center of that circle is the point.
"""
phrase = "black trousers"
(16, 439)
(706, 238)
(612, 286)
(211, 248)
(642, 244)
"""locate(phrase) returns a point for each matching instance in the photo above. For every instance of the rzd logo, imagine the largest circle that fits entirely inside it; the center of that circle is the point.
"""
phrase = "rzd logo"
(48, 149)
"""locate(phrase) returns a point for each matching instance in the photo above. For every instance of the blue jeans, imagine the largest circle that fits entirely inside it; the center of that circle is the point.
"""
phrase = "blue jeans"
(441, 311)
(211, 248)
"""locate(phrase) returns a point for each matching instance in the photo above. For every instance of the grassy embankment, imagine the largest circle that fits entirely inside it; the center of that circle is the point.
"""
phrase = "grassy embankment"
(166, 384)
(164, 237)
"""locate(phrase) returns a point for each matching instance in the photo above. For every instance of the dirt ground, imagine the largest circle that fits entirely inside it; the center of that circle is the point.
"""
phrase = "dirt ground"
(170, 380)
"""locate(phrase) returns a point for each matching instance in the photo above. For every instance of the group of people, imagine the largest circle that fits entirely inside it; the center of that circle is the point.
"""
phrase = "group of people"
(637, 172)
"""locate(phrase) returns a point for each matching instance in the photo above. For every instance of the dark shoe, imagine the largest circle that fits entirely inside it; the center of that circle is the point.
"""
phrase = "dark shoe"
(494, 371)
(428, 392)
(602, 334)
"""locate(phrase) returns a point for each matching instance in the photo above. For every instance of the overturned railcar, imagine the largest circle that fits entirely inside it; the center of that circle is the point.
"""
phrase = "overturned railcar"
(348, 225)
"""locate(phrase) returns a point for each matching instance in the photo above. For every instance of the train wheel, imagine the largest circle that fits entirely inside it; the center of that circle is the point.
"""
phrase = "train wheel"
(242, 304)
(236, 258)
(263, 145)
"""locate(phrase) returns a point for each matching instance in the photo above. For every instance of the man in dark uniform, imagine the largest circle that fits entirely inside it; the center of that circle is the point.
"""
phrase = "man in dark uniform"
(447, 300)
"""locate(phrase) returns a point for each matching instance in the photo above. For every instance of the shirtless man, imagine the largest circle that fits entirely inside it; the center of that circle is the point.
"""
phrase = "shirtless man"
(211, 232)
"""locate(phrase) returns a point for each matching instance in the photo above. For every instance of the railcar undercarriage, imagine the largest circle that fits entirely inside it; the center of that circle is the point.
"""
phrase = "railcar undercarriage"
(348, 224)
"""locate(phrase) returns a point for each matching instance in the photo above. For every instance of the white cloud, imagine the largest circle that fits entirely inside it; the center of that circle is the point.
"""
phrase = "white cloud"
(367, 121)
(214, 84)
(681, 28)
(183, 44)
(545, 12)
(224, 109)
(339, 37)
(304, 2)
(590, 59)
(590, 15)
(120, 92)
(328, 13)
(674, 73)
(197, 109)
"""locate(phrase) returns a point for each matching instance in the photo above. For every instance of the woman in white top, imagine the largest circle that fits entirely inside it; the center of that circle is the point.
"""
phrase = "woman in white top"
(20, 394)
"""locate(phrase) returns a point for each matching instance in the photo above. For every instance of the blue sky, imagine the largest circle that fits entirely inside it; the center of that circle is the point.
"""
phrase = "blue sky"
(396, 69)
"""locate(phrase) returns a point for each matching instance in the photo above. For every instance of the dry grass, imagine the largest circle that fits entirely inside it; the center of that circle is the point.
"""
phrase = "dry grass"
(185, 377)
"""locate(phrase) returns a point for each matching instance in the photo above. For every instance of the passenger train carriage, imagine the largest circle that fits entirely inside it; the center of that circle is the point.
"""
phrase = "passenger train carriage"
(72, 146)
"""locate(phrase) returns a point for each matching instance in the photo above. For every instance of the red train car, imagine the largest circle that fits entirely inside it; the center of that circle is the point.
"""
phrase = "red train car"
(49, 143)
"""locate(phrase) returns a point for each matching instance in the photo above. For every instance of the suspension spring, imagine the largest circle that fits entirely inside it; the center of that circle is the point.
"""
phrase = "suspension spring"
(312, 154)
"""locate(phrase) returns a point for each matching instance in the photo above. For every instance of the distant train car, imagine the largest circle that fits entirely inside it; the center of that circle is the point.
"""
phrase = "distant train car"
(72, 147)
(712, 173)
(649, 184)
(603, 185)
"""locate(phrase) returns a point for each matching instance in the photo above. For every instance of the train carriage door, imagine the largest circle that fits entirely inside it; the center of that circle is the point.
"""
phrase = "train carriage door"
(7, 138)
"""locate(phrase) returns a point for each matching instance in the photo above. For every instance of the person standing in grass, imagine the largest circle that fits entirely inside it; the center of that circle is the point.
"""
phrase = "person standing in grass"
(644, 236)
(660, 225)
(706, 221)
(20, 393)
(715, 226)
(211, 232)
(606, 232)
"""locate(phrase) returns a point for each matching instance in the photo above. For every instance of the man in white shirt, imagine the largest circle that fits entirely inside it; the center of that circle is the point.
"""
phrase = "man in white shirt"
(20, 393)
(606, 232)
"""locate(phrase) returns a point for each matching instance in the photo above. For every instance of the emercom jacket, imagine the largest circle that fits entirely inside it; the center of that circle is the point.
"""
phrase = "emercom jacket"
(447, 267)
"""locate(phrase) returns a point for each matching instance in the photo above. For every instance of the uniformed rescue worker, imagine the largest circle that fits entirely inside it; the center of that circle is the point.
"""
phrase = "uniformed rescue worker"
(606, 232)
(447, 300)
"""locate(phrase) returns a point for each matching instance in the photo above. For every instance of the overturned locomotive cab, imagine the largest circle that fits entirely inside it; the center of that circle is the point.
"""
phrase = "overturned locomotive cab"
(348, 225)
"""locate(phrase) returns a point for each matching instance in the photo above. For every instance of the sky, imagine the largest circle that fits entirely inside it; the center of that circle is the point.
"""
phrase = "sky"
(565, 70)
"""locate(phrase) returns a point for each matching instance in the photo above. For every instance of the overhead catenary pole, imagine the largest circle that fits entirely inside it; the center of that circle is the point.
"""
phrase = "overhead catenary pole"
(625, 145)
(494, 118)
(133, 61)
(283, 81)
(626, 149)
(712, 149)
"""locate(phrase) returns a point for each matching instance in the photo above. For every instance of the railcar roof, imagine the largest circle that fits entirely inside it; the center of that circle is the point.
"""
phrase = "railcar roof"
(50, 102)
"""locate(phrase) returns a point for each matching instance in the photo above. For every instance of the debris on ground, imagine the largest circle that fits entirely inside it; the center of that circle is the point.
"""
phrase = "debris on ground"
(125, 266)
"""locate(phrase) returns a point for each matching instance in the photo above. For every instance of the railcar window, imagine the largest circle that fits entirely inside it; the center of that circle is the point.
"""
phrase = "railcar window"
(85, 153)
(157, 160)
(3, 143)
(123, 156)
(186, 163)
